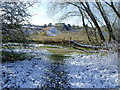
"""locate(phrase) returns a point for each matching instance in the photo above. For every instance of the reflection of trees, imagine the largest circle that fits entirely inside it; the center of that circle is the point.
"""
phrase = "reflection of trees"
(56, 77)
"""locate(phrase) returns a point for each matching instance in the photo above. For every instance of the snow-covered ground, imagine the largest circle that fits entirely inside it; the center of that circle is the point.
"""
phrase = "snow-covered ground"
(93, 71)
(77, 71)
(52, 32)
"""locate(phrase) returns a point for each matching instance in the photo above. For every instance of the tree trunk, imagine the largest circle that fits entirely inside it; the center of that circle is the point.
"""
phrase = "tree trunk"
(109, 27)
(89, 12)
(89, 46)
(113, 7)
(83, 21)
(94, 30)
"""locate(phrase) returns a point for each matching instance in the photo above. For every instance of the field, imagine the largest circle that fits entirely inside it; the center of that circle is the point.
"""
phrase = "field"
(79, 36)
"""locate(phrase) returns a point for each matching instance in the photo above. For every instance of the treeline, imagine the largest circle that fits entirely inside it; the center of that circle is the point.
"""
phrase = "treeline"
(62, 26)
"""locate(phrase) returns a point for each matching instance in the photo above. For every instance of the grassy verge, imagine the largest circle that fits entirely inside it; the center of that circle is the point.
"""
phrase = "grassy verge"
(50, 47)
(68, 50)
(58, 58)
(59, 52)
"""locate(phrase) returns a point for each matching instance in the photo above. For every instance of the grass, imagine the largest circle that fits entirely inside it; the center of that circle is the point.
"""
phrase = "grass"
(65, 36)
(85, 53)
(58, 58)
(62, 51)
(50, 47)
(47, 28)
(88, 49)
(8, 56)
(79, 36)
(59, 52)
(66, 46)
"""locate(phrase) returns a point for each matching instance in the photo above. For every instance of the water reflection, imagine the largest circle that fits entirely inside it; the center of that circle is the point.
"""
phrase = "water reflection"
(56, 77)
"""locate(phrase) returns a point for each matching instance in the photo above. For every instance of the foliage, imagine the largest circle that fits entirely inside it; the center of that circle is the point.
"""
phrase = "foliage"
(14, 15)
(11, 56)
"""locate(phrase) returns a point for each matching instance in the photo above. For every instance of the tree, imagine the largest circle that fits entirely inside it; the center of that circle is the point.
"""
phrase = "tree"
(84, 7)
(111, 4)
(69, 25)
(45, 25)
(89, 15)
(85, 25)
(73, 26)
(104, 15)
(50, 25)
(14, 15)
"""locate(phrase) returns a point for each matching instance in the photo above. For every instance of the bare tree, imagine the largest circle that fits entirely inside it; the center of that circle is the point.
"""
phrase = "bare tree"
(95, 22)
(91, 15)
(111, 4)
(104, 15)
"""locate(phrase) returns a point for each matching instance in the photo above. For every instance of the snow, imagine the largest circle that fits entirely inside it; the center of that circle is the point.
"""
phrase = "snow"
(94, 71)
(25, 74)
(52, 32)
(29, 31)
(30, 45)
(78, 71)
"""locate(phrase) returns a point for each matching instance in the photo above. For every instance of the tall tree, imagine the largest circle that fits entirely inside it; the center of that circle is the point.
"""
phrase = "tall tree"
(111, 4)
(104, 15)
(91, 15)
(14, 14)
(85, 7)
(95, 21)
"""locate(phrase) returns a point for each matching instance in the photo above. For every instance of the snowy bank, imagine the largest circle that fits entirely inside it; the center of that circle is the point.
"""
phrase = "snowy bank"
(78, 71)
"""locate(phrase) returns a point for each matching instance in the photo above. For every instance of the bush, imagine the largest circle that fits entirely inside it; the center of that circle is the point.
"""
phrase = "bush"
(12, 56)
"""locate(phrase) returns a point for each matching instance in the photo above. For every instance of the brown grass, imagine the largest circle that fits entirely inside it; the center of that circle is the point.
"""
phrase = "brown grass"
(64, 36)
(47, 28)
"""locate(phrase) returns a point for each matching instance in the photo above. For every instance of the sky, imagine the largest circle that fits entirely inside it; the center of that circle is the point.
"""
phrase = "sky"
(40, 16)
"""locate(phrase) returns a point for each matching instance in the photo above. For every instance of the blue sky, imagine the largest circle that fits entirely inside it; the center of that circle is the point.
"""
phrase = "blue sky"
(41, 16)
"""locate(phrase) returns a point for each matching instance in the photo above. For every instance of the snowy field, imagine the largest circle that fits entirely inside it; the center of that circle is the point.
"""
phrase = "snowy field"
(77, 71)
